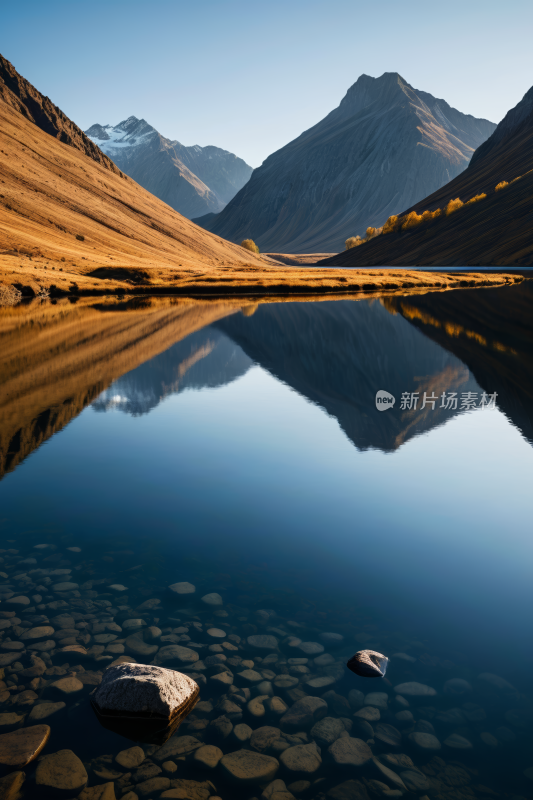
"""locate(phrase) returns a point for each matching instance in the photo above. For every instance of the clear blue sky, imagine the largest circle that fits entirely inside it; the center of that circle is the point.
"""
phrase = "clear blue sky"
(249, 76)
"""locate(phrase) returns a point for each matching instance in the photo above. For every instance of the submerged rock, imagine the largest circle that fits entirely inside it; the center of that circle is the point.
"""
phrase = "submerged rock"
(368, 664)
(20, 747)
(144, 702)
(247, 766)
(62, 773)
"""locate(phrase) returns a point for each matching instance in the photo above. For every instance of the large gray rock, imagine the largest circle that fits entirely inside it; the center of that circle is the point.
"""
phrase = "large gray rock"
(145, 690)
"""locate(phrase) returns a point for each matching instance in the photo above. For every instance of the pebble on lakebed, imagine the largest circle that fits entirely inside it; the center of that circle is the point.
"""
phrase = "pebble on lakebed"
(280, 716)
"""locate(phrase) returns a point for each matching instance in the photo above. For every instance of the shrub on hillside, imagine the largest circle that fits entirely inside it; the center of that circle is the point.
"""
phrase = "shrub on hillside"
(454, 205)
(475, 199)
(371, 233)
(501, 185)
(353, 241)
(80, 238)
(392, 225)
(411, 221)
(249, 244)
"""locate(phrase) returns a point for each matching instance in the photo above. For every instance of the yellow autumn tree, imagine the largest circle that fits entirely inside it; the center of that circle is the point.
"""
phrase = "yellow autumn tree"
(501, 185)
(353, 241)
(249, 244)
(454, 205)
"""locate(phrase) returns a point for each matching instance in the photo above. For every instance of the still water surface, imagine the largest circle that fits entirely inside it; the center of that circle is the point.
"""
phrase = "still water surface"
(241, 450)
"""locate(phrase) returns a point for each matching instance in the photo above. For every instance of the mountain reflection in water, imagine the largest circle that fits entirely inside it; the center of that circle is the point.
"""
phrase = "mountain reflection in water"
(57, 359)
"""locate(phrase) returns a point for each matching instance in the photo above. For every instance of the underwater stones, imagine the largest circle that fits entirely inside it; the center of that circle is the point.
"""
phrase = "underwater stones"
(133, 625)
(212, 599)
(135, 644)
(302, 759)
(368, 713)
(349, 752)
(378, 699)
(216, 634)
(425, 742)
(329, 639)
(19, 602)
(262, 642)
(457, 686)
(182, 588)
(320, 684)
(256, 706)
(11, 785)
(263, 738)
(276, 706)
(152, 787)
(176, 654)
(356, 699)
(368, 664)
(404, 718)
(20, 747)
(311, 648)
(6, 659)
(61, 772)
(66, 686)
(361, 729)
(247, 766)
(118, 588)
(248, 677)
(65, 586)
(304, 713)
(9, 721)
(242, 732)
(456, 742)
(388, 734)
(105, 791)
(494, 684)
(324, 660)
(130, 758)
(41, 632)
(326, 731)
(414, 689)
(207, 756)
(175, 747)
(44, 711)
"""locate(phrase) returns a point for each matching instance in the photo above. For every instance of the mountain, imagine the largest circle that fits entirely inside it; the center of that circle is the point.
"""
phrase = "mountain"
(384, 148)
(192, 180)
(495, 231)
(57, 358)
(65, 206)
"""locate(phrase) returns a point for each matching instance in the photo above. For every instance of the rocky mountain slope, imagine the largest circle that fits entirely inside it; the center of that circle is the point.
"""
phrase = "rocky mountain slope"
(386, 146)
(496, 231)
(192, 180)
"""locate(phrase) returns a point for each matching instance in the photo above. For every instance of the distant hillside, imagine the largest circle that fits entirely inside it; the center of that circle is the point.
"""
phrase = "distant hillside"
(192, 180)
(495, 231)
(384, 148)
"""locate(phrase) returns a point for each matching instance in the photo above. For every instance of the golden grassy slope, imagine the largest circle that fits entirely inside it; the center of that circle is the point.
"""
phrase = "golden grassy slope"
(51, 193)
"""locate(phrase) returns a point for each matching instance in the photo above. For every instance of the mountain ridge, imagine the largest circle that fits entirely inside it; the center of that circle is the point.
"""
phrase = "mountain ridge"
(385, 146)
(496, 231)
(192, 180)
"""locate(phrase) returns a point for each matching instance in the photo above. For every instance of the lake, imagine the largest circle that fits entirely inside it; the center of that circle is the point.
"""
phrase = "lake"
(240, 447)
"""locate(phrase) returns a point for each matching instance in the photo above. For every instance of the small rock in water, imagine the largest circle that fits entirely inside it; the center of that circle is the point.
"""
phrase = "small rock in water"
(368, 664)
(414, 689)
(212, 599)
(331, 639)
(181, 588)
